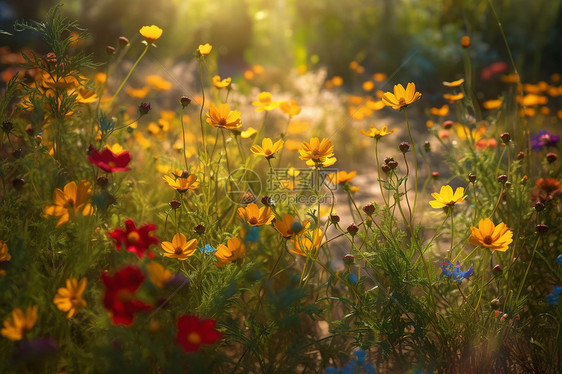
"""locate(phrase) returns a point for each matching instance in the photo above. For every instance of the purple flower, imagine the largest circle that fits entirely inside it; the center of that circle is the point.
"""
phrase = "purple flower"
(455, 272)
(543, 139)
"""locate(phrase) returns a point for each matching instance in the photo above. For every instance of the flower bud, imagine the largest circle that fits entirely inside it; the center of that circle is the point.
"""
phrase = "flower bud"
(144, 108)
(334, 218)
(369, 209)
(29, 129)
(102, 181)
(185, 101)
(471, 178)
(123, 42)
(551, 157)
(386, 168)
(393, 164)
(388, 159)
(266, 200)
(495, 303)
(175, 204)
(352, 229)
(296, 227)
(348, 259)
(16, 153)
(110, 50)
(448, 124)
(465, 41)
(502, 178)
(7, 126)
(427, 146)
(539, 206)
(404, 147)
(506, 138)
(200, 228)
(520, 156)
(540, 228)
(498, 269)
(18, 183)
(435, 174)
(559, 259)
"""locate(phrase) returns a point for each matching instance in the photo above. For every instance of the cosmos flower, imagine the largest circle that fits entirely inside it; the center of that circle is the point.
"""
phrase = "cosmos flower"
(307, 243)
(268, 148)
(194, 332)
(158, 274)
(221, 83)
(232, 251)
(180, 247)
(255, 216)
(133, 239)
(290, 107)
(71, 200)
(373, 132)
(182, 183)
(204, 49)
(19, 323)
(69, 299)
(401, 97)
(446, 197)
(109, 161)
(288, 227)
(151, 33)
(488, 235)
(317, 152)
(265, 103)
(224, 117)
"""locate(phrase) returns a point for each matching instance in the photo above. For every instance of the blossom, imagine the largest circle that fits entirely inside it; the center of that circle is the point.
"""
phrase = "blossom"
(19, 323)
(265, 103)
(158, 82)
(455, 272)
(440, 112)
(492, 104)
(454, 83)
(224, 117)
(179, 248)
(151, 33)
(232, 251)
(133, 239)
(158, 274)
(183, 183)
(194, 332)
(375, 133)
(221, 83)
(488, 235)
(254, 216)
(401, 97)
(446, 197)
(307, 243)
(317, 152)
(552, 298)
(69, 299)
(288, 227)
(543, 139)
(69, 201)
(4, 254)
(204, 49)
(109, 161)
(268, 148)
(119, 296)
(290, 107)
(454, 98)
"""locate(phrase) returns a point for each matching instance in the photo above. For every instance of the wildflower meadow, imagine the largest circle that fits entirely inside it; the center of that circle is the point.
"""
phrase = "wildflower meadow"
(321, 203)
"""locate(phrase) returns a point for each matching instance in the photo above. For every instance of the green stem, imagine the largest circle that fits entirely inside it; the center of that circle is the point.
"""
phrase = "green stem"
(415, 166)
(130, 72)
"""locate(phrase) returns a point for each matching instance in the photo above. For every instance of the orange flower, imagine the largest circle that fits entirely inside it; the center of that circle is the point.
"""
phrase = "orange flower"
(158, 82)
(232, 251)
(342, 177)
(19, 323)
(307, 243)
(492, 104)
(446, 197)
(151, 33)
(265, 103)
(224, 117)
(221, 83)
(69, 299)
(497, 238)
(317, 152)
(267, 149)
(401, 97)
(179, 248)
(183, 183)
(453, 83)
(255, 216)
(440, 112)
(375, 133)
(291, 108)
(71, 200)
(288, 225)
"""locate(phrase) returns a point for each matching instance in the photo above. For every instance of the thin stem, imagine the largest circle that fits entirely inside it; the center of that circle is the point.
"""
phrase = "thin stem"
(415, 166)
(130, 72)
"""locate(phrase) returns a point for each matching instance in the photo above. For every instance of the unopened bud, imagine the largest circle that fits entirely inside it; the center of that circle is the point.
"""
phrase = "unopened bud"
(540, 228)
(404, 147)
(200, 228)
(144, 108)
(185, 101)
(266, 200)
(175, 204)
(110, 50)
(505, 137)
(348, 259)
(465, 41)
(386, 168)
(472, 178)
(123, 42)
(369, 209)
(334, 218)
(352, 229)
(520, 156)
(551, 157)
(498, 269)
(435, 174)
(102, 181)
(539, 206)
(427, 146)
(7, 126)
(502, 178)
(448, 124)
(18, 183)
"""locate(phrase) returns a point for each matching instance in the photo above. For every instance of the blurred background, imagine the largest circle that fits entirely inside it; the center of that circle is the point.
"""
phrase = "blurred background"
(420, 36)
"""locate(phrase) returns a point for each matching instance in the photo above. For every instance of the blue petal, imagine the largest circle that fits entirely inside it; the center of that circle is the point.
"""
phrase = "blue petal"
(559, 260)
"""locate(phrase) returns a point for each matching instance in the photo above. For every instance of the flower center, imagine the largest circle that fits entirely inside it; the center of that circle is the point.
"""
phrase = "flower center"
(253, 221)
(111, 164)
(194, 338)
(222, 122)
(268, 152)
(124, 295)
(133, 237)
(178, 251)
(402, 102)
(488, 239)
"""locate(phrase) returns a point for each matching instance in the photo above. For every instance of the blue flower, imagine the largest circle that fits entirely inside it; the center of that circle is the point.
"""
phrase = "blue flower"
(552, 298)
(252, 234)
(207, 248)
(543, 139)
(355, 366)
(455, 272)
(559, 260)
(353, 278)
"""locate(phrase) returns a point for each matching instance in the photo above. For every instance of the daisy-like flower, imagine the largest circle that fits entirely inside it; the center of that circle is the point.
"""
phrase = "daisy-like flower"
(453, 83)
(110, 162)
(180, 247)
(232, 251)
(70, 299)
(342, 177)
(158, 83)
(255, 216)
(317, 152)
(133, 239)
(454, 98)
(446, 197)
(19, 323)
(290, 107)
(307, 243)
(204, 49)
(268, 148)
(288, 227)
(183, 183)
(488, 235)
(265, 103)
(119, 296)
(194, 332)
(492, 104)
(221, 83)
(375, 133)
(401, 97)
(151, 33)
(71, 200)
(224, 117)
(544, 139)
(440, 112)
(158, 274)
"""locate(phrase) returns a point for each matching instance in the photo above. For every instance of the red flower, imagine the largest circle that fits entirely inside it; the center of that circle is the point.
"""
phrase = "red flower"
(194, 332)
(136, 240)
(109, 161)
(119, 298)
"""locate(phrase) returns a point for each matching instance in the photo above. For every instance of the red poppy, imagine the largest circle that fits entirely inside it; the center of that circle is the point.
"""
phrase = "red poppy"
(136, 240)
(194, 332)
(108, 161)
(119, 298)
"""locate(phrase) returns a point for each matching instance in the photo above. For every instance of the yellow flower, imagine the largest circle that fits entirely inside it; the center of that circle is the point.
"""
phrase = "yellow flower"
(158, 82)
(342, 177)
(221, 83)
(297, 127)
(69, 299)
(151, 33)
(248, 133)
(19, 323)
(179, 248)
(375, 133)
(454, 98)
(440, 112)
(4, 255)
(379, 77)
(453, 83)
(137, 93)
(71, 200)
(291, 108)
(232, 251)
(84, 95)
(287, 225)
(317, 152)
(497, 238)
(183, 183)
(446, 197)
(307, 243)
(267, 149)
(158, 274)
(224, 117)
(254, 216)
(264, 102)
(204, 49)
(492, 104)
(401, 97)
